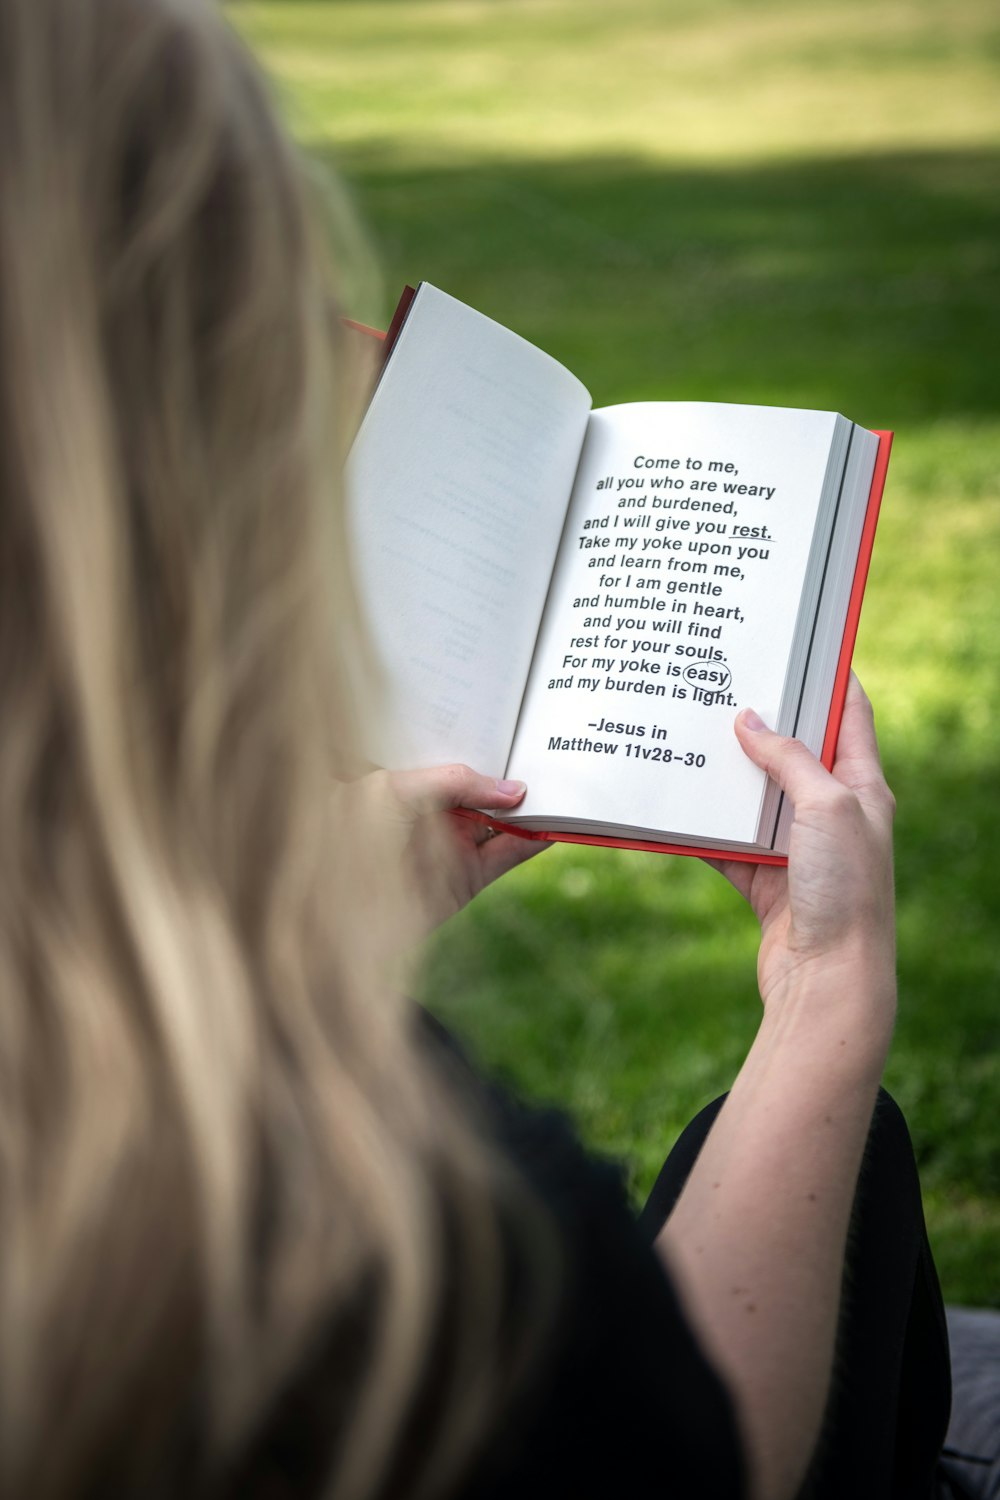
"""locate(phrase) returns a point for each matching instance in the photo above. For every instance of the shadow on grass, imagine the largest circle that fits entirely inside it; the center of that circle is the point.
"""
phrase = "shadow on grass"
(946, 1063)
(867, 284)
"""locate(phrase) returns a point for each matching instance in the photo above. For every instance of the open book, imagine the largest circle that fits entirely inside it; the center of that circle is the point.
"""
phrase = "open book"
(582, 599)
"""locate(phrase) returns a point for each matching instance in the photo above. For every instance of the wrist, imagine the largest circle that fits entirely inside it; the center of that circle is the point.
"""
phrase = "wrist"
(840, 1012)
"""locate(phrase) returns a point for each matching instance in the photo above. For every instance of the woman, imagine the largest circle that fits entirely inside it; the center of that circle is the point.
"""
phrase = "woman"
(260, 1232)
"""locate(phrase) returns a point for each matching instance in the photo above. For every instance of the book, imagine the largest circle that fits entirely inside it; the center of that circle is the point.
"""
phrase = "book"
(582, 598)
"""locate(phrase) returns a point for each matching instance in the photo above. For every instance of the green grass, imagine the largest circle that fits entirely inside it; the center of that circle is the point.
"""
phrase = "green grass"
(756, 201)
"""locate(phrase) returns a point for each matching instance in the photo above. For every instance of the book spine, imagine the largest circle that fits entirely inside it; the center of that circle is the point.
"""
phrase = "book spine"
(843, 676)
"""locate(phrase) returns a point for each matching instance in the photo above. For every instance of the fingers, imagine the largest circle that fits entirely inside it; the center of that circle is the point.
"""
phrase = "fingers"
(857, 727)
(443, 788)
(507, 851)
(858, 765)
(739, 873)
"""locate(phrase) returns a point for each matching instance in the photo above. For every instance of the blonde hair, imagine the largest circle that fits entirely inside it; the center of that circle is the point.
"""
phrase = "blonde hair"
(222, 1150)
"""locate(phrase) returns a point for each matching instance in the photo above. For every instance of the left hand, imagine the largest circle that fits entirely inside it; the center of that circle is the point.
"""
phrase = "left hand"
(450, 858)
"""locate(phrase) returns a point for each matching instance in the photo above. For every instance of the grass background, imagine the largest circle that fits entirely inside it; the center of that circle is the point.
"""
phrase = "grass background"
(744, 200)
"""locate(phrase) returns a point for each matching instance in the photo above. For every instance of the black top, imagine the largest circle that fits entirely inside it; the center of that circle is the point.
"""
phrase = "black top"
(624, 1402)
(629, 1406)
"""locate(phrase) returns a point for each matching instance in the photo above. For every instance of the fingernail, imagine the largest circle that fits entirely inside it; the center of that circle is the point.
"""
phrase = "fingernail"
(511, 788)
(753, 721)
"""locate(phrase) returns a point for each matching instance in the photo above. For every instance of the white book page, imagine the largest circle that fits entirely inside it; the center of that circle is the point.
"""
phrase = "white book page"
(673, 604)
(457, 489)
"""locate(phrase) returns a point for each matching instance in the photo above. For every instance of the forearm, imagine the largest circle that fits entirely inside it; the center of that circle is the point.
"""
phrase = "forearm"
(756, 1241)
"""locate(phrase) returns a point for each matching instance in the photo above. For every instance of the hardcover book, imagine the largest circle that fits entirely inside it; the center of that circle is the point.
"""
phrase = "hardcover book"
(582, 598)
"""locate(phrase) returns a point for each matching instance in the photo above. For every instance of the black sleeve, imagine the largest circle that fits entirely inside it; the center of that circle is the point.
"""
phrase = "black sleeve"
(627, 1404)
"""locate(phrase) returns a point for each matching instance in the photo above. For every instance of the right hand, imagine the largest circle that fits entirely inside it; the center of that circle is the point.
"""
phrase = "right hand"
(830, 914)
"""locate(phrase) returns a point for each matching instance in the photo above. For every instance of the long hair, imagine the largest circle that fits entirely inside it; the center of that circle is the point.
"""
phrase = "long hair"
(224, 1155)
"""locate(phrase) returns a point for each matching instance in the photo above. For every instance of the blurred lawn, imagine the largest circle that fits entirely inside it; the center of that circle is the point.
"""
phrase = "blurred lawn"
(743, 200)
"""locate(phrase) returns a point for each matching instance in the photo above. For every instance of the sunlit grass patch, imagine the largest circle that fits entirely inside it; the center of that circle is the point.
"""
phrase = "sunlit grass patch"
(725, 80)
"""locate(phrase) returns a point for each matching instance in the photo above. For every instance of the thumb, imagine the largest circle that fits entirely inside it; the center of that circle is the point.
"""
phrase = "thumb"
(786, 760)
(441, 788)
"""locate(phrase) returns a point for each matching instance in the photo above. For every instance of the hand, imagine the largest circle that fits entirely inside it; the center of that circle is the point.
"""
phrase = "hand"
(833, 906)
(449, 858)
